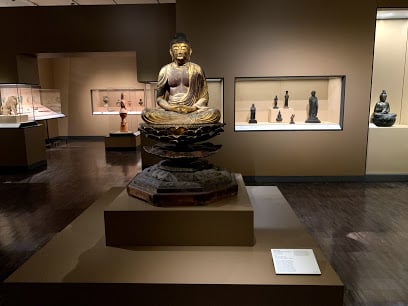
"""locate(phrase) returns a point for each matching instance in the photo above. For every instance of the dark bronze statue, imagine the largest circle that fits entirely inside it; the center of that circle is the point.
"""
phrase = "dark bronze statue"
(286, 99)
(252, 114)
(382, 115)
(313, 108)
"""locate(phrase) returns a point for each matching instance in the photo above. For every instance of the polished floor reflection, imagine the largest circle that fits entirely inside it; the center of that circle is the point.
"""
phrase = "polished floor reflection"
(362, 228)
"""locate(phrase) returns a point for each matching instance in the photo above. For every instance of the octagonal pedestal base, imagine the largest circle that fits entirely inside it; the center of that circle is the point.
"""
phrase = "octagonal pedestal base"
(198, 183)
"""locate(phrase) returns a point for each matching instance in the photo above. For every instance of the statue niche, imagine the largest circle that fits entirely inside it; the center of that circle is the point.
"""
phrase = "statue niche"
(180, 124)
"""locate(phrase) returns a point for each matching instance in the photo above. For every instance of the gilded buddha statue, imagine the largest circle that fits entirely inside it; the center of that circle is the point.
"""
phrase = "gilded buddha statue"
(180, 125)
(182, 92)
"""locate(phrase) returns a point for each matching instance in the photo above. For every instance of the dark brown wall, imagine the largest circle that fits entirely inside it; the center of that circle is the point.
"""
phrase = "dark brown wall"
(145, 29)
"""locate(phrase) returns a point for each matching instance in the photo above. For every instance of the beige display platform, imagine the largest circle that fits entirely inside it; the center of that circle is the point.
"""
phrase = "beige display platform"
(130, 221)
(387, 150)
(77, 268)
(122, 141)
(13, 118)
(22, 148)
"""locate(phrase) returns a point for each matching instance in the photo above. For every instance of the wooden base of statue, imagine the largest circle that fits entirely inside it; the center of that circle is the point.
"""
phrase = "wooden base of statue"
(124, 127)
(167, 184)
(313, 120)
(184, 177)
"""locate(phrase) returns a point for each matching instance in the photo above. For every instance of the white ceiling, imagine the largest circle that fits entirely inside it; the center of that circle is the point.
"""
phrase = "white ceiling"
(8, 3)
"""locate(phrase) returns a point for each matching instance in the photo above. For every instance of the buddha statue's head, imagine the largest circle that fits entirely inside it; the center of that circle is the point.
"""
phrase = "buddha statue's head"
(180, 49)
(383, 96)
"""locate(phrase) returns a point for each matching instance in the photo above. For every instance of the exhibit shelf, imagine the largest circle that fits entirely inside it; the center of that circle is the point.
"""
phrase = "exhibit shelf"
(286, 127)
(387, 150)
(46, 117)
(116, 113)
(76, 266)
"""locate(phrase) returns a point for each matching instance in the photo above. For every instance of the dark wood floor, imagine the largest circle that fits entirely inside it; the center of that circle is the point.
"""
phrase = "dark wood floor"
(362, 228)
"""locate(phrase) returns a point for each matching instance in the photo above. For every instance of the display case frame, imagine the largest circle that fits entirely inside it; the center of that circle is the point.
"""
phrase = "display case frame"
(262, 92)
(22, 104)
(107, 101)
(215, 92)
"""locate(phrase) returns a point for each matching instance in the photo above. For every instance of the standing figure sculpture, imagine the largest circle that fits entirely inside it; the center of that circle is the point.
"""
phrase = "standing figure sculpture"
(123, 114)
(286, 100)
(275, 102)
(252, 117)
(382, 115)
(182, 92)
(313, 108)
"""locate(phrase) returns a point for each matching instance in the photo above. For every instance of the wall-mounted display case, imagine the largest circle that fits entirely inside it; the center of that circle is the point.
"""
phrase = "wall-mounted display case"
(22, 103)
(107, 101)
(282, 103)
(215, 91)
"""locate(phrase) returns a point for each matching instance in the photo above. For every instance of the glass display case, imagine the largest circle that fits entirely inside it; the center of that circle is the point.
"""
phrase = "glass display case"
(24, 103)
(107, 101)
(287, 103)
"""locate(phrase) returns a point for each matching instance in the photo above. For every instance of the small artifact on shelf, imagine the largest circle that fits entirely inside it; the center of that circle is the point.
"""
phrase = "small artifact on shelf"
(279, 117)
(123, 114)
(105, 100)
(286, 100)
(140, 102)
(10, 106)
(382, 115)
(252, 114)
(292, 119)
(275, 102)
(313, 108)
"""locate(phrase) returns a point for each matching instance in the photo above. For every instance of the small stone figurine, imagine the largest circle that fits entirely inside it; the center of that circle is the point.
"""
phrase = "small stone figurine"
(105, 101)
(253, 114)
(140, 102)
(292, 119)
(313, 108)
(275, 102)
(286, 100)
(279, 117)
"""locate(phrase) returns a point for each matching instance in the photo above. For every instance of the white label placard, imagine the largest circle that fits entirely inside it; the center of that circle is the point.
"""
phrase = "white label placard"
(295, 261)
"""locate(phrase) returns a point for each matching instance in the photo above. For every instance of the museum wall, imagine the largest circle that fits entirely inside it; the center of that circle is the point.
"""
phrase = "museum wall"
(287, 38)
(47, 29)
(76, 75)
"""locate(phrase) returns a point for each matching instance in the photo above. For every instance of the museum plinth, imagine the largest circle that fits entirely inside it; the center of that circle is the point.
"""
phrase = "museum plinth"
(77, 268)
(23, 148)
(229, 221)
(126, 141)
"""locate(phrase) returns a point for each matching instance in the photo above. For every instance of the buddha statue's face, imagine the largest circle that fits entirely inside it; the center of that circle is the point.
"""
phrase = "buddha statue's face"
(383, 96)
(180, 52)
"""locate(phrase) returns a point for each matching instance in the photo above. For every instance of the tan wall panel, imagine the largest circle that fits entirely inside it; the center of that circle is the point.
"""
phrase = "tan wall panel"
(287, 38)
(75, 75)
